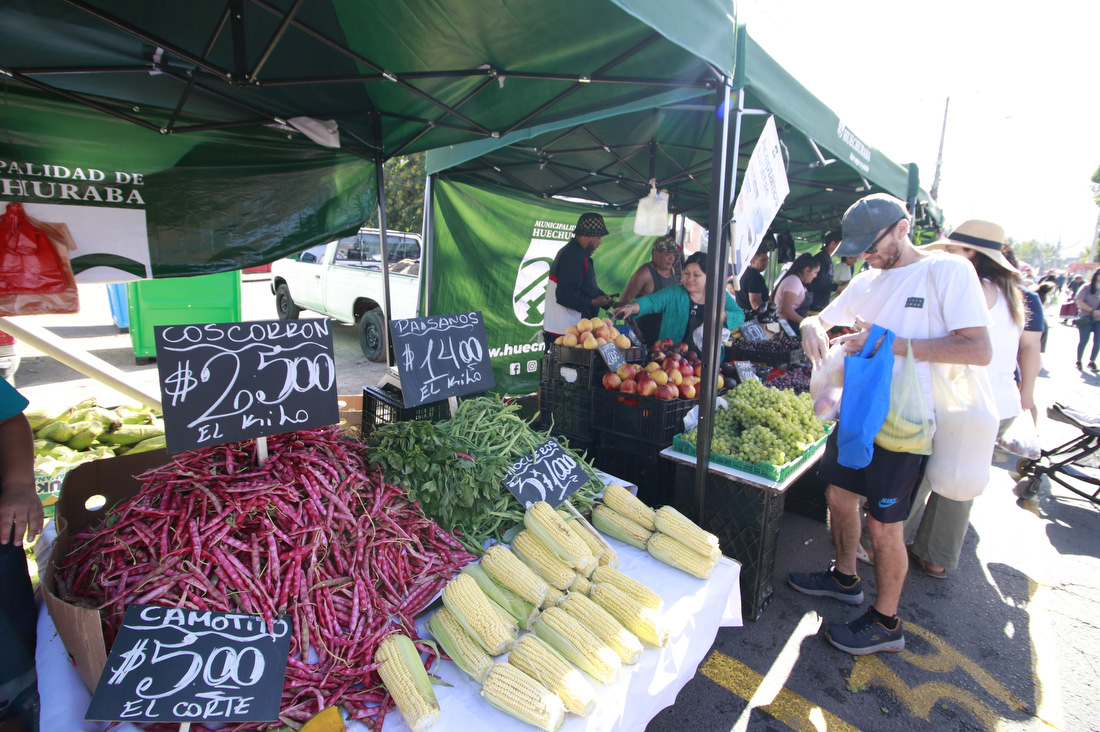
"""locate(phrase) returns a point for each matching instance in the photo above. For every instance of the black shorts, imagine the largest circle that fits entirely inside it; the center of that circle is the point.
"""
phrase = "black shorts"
(888, 482)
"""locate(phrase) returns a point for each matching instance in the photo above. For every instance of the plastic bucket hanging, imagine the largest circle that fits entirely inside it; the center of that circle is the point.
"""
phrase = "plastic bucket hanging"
(652, 217)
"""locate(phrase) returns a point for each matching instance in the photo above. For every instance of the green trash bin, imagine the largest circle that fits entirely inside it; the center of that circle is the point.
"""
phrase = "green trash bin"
(214, 298)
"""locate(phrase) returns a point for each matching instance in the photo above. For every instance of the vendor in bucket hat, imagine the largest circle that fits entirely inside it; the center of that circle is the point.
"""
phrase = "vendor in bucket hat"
(980, 236)
(571, 291)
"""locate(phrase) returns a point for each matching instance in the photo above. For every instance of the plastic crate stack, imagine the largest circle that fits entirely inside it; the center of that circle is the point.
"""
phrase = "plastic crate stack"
(569, 376)
(384, 405)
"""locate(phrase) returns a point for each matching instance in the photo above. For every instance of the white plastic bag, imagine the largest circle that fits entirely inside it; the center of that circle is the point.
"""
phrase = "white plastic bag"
(691, 419)
(966, 430)
(652, 216)
(1022, 438)
(827, 383)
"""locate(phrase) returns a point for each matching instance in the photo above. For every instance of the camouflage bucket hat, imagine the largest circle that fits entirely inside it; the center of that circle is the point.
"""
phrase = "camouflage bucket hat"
(666, 243)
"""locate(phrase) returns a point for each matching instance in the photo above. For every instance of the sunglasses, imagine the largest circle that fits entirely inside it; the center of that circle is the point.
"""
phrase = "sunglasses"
(874, 245)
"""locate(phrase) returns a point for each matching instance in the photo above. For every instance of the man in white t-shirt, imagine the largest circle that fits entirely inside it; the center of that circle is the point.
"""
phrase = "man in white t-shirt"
(933, 302)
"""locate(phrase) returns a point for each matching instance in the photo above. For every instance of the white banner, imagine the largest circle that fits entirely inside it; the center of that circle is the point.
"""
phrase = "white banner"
(763, 191)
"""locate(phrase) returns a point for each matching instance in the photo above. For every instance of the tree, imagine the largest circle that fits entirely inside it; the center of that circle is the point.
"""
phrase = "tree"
(404, 194)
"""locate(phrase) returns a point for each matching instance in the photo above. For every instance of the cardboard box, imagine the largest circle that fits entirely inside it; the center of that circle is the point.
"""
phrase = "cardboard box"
(351, 412)
(81, 629)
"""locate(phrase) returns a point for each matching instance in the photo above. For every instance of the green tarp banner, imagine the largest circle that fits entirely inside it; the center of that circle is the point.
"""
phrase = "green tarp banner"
(141, 204)
(492, 252)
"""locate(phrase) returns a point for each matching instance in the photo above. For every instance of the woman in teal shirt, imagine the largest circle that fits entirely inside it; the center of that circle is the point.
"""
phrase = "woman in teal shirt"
(681, 307)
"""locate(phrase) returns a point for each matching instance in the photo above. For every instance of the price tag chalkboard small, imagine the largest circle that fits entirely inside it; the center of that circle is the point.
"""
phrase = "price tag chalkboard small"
(786, 326)
(225, 382)
(175, 665)
(612, 356)
(548, 474)
(753, 331)
(440, 356)
(745, 371)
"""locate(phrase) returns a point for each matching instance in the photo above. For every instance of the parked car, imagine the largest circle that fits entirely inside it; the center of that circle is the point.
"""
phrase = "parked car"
(343, 280)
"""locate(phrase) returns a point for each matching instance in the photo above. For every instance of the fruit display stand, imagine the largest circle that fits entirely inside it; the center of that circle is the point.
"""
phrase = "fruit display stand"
(743, 510)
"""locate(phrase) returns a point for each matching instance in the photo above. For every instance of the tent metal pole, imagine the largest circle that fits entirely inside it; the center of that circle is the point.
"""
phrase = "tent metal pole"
(717, 254)
(427, 256)
(385, 251)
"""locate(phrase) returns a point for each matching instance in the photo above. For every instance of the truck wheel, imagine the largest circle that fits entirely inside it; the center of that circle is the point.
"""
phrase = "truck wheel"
(371, 336)
(284, 304)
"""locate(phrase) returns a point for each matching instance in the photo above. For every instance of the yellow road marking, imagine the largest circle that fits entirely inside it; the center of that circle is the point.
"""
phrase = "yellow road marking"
(1045, 676)
(788, 707)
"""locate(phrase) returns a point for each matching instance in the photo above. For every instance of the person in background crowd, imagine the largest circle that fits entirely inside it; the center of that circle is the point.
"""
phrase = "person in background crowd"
(843, 272)
(822, 286)
(791, 297)
(653, 276)
(947, 325)
(731, 286)
(681, 307)
(754, 289)
(941, 524)
(1075, 284)
(572, 292)
(1029, 360)
(1088, 319)
(20, 514)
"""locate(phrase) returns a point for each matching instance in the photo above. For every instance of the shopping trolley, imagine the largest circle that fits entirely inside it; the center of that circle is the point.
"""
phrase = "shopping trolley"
(1070, 465)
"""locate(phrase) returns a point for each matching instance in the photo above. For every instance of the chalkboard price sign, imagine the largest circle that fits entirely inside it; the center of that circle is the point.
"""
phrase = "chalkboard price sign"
(224, 382)
(745, 371)
(753, 331)
(175, 665)
(440, 356)
(612, 356)
(786, 326)
(548, 474)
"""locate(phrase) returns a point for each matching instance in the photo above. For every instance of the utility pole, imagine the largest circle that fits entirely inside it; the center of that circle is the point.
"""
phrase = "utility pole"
(934, 191)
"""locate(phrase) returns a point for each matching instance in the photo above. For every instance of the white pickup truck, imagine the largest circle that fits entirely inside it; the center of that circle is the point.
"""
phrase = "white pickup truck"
(343, 280)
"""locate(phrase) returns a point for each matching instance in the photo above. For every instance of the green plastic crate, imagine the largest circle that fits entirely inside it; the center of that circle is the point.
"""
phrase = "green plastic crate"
(214, 298)
(766, 470)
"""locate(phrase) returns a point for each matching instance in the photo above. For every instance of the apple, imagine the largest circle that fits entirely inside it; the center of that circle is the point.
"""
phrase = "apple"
(569, 339)
(622, 341)
(627, 371)
(664, 391)
(669, 363)
(687, 369)
(611, 381)
(647, 387)
(676, 389)
(687, 390)
(721, 381)
(690, 380)
(652, 366)
(657, 355)
(584, 325)
(628, 386)
(683, 347)
(667, 344)
(675, 377)
(660, 377)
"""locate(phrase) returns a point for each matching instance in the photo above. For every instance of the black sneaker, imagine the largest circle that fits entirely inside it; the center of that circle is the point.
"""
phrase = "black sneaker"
(824, 584)
(1092, 366)
(866, 634)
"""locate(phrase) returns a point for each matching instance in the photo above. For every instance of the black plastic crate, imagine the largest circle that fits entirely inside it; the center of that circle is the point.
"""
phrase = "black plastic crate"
(582, 375)
(589, 356)
(382, 405)
(739, 351)
(648, 419)
(566, 409)
(745, 518)
(639, 463)
(806, 497)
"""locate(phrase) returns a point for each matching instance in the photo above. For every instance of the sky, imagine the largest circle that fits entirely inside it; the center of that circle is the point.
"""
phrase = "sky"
(1023, 125)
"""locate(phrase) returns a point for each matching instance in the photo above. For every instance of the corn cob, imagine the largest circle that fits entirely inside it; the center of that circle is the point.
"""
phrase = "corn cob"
(457, 643)
(603, 626)
(522, 611)
(684, 530)
(580, 584)
(482, 618)
(405, 679)
(553, 598)
(645, 596)
(538, 660)
(641, 621)
(674, 553)
(578, 645)
(506, 568)
(601, 550)
(616, 525)
(620, 499)
(512, 691)
(535, 555)
(544, 523)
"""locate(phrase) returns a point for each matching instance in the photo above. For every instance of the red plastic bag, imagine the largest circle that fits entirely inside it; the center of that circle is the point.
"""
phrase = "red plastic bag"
(35, 275)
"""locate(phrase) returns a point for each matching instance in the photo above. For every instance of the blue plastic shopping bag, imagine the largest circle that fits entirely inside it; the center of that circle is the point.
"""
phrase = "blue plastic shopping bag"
(866, 400)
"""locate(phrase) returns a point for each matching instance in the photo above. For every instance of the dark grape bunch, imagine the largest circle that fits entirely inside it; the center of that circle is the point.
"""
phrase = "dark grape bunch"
(796, 379)
(782, 344)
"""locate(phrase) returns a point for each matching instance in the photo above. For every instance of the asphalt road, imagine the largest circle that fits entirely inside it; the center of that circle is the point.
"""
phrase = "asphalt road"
(1009, 641)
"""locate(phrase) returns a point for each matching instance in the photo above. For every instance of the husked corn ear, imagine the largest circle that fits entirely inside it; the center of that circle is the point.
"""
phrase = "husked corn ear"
(482, 618)
(672, 552)
(512, 691)
(641, 621)
(589, 536)
(535, 555)
(522, 611)
(578, 645)
(553, 598)
(616, 525)
(684, 530)
(545, 523)
(620, 499)
(457, 643)
(538, 660)
(603, 626)
(580, 584)
(403, 675)
(506, 568)
(646, 596)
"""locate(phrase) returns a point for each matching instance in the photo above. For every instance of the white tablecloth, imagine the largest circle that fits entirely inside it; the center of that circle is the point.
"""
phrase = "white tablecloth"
(694, 610)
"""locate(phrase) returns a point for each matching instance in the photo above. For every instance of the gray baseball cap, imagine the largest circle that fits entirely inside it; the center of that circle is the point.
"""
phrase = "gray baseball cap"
(864, 219)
